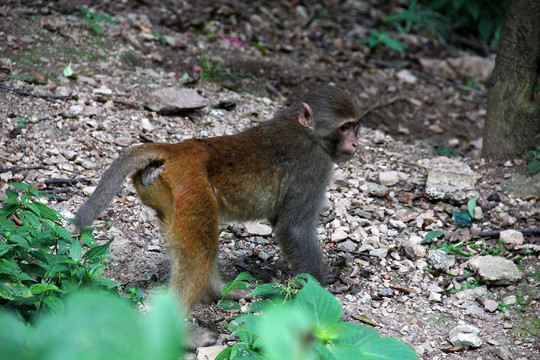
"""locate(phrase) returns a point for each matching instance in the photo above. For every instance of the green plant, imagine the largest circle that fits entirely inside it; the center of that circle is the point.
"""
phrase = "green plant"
(503, 306)
(451, 248)
(21, 123)
(96, 326)
(92, 19)
(377, 38)
(305, 323)
(40, 262)
(433, 235)
(480, 17)
(532, 159)
(420, 18)
(471, 284)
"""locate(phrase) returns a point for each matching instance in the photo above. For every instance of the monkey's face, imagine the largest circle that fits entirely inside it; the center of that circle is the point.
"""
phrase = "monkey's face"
(347, 140)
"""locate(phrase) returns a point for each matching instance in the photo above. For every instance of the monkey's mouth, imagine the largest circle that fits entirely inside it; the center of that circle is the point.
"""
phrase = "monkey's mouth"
(344, 156)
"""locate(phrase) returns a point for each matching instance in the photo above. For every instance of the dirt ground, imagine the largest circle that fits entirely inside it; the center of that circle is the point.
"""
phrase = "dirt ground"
(260, 58)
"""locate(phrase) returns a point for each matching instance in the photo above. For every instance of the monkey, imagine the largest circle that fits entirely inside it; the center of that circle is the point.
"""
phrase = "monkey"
(278, 171)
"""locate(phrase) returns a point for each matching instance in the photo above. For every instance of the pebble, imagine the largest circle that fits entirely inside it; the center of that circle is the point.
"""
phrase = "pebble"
(388, 178)
(511, 237)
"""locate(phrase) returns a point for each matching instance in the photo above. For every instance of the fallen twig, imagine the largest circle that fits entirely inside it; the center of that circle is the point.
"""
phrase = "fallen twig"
(495, 233)
(61, 182)
(47, 97)
(15, 169)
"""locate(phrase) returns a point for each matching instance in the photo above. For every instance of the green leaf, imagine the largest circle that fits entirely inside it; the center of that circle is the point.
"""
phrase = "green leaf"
(88, 239)
(320, 304)
(37, 289)
(11, 288)
(63, 233)
(462, 218)
(20, 186)
(30, 219)
(266, 290)
(533, 167)
(46, 211)
(98, 29)
(69, 73)
(471, 204)
(228, 305)
(394, 44)
(97, 251)
(76, 251)
(6, 224)
(11, 268)
(433, 235)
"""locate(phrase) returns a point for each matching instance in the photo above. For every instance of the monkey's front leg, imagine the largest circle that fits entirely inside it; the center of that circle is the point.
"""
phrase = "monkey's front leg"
(298, 240)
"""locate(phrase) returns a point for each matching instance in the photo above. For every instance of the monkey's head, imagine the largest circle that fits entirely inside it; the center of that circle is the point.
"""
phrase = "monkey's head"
(332, 117)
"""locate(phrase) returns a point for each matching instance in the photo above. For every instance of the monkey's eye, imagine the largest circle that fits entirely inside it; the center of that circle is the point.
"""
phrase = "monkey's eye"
(345, 127)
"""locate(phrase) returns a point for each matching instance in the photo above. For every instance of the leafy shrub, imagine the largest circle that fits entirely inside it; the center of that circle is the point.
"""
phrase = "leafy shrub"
(96, 326)
(377, 38)
(480, 17)
(422, 19)
(40, 262)
(304, 324)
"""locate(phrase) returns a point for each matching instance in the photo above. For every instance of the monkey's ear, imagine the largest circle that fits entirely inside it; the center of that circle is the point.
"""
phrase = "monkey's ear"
(305, 116)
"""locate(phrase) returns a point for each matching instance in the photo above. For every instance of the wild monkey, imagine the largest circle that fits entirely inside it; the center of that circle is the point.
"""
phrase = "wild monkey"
(277, 171)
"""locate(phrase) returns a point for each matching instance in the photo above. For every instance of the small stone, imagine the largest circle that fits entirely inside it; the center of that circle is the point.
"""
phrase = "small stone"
(406, 76)
(209, 352)
(495, 270)
(145, 125)
(264, 255)
(258, 228)
(510, 300)
(155, 248)
(88, 190)
(103, 90)
(386, 292)
(388, 178)
(437, 259)
(376, 189)
(435, 296)
(260, 240)
(478, 214)
(76, 110)
(465, 335)
(339, 235)
(503, 353)
(123, 141)
(347, 245)
(69, 154)
(173, 100)
(381, 253)
(511, 237)
(414, 250)
(490, 305)
(507, 325)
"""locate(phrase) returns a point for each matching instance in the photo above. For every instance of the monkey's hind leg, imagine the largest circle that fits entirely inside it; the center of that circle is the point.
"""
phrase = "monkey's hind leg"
(193, 239)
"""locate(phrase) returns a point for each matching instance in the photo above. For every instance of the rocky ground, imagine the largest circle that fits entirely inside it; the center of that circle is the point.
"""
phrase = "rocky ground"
(381, 205)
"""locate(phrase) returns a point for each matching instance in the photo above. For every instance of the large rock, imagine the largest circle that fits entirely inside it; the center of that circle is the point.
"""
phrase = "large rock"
(451, 180)
(175, 100)
(495, 270)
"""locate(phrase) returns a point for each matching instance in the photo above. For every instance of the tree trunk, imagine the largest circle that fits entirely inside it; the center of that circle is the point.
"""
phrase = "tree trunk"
(513, 109)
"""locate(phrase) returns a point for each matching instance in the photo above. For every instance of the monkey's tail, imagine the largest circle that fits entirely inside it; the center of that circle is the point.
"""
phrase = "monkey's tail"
(133, 159)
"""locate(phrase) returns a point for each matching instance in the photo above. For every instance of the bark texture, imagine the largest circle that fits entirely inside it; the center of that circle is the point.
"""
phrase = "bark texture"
(513, 110)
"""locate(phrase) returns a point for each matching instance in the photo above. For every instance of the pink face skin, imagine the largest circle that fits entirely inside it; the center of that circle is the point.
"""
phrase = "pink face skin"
(349, 141)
